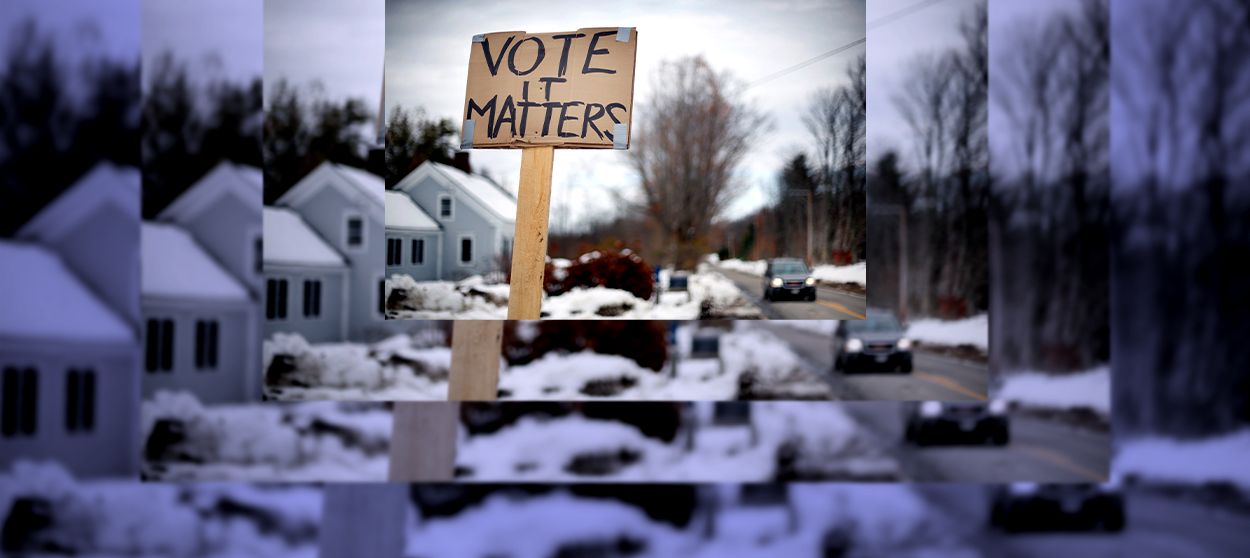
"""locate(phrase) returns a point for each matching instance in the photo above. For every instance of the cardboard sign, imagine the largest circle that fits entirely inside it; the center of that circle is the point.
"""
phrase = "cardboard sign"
(571, 89)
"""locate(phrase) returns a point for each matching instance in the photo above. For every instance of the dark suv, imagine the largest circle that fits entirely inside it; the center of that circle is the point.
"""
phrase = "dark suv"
(976, 422)
(1028, 506)
(877, 341)
(788, 277)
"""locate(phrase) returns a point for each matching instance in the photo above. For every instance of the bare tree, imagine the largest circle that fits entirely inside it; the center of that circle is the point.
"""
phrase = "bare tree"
(836, 120)
(693, 132)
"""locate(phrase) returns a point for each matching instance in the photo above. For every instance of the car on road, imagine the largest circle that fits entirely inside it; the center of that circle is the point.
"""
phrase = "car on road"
(788, 277)
(1029, 506)
(946, 421)
(878, 341)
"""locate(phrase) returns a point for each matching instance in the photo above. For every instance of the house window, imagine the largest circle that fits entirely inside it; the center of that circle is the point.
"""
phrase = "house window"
(206, 344)
(418, 251)
(446, 209)
(382, 297)
(258, 254)
(80, 400)
(159, 348)
(275, 299)
(355, 231)
(21, 402)
(394, 251)
(466, 250)
(312, 298)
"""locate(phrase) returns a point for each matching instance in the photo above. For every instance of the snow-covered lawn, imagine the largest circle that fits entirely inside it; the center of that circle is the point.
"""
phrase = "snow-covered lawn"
(973, 331)
(1088, 390)
(405, 367)
(874, 520)
(709, 294)
(316, 441)
(1214, 459)
(828, 442)
(123, 517)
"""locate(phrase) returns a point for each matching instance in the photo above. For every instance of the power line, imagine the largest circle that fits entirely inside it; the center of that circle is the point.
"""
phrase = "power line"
(883, 20)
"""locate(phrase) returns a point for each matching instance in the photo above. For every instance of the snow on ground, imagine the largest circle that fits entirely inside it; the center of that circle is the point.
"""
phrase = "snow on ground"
(973, 331)
(878, 520)
(814, 326)
(1090, 390)
(710, 294)
(397, 368)
(854, 273)
(320, 441)
(404, 367)
(829, 442)
(1214, 459)
(122, 517)
(755, 267)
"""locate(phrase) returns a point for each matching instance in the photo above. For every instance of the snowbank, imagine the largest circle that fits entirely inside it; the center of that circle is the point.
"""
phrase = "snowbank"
(128, 518)
(399, 367)
(854, 273)
(755, 267)
(1214, 459)
(973, 331)
(1090, 390)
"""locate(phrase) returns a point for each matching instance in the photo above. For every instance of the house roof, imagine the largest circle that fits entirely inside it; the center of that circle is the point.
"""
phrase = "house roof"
(355, 183)
(500, 204)
(289, 240)
(245, 182)
(175, 266)
(402, 213)
(105, 183)
(43, 299)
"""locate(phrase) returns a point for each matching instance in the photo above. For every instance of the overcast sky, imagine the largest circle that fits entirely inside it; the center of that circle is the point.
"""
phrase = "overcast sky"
(427, 53)
(335, 43)
(892, 45)
(219, 39)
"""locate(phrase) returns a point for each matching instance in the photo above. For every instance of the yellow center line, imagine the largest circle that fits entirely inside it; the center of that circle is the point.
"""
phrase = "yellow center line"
(841, 309)
(948, 383)
(1062, 461)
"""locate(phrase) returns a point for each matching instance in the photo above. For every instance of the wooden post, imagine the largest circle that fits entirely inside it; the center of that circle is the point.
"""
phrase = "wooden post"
(423, 441)
(529, 252)
(475, 359)
(362, 520)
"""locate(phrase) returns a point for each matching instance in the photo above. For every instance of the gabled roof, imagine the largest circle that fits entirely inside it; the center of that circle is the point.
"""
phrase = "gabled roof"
(494, 200)
(402, 213)
(365, 187)
(289, 240)
(242, 181)
(105, 183)
(42, 299)
(175, 266)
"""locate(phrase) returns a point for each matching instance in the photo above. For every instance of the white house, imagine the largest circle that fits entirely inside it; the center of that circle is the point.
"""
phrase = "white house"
(306, 280)
(69, 294)
(344, 205)
(199, 331)
(477, 217)
(414, 242)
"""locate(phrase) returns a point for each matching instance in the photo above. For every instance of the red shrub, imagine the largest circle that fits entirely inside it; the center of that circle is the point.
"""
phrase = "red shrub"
(615, 270)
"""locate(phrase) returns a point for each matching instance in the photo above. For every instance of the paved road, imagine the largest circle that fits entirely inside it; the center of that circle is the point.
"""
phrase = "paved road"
(1040, 450)
(1157, 526)
(830, 304)
(933, 376)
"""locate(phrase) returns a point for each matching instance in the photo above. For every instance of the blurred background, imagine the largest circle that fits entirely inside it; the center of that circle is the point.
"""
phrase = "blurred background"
(1107, 206)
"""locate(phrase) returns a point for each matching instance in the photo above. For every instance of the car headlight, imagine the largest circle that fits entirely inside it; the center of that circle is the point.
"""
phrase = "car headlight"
(903, 344)
(998, 407)
(809, 281)
(930, 409)
(1023, 488)
(776, 281)
(854, 345)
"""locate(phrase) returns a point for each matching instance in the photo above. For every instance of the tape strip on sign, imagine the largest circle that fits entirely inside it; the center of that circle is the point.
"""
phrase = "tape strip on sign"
(482, 38)
(466, 142)
(620, 135)
(622, 34)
